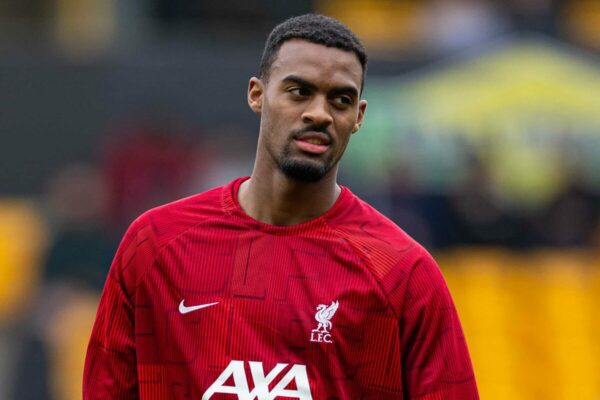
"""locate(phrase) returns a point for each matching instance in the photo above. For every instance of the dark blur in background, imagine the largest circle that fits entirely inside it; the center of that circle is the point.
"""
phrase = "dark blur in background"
(481, 140)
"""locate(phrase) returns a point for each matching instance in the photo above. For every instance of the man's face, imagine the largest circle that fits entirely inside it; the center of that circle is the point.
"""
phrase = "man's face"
(309, 108)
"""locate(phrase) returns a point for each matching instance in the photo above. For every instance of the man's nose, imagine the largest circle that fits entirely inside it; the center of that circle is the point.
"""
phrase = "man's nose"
(318, 112)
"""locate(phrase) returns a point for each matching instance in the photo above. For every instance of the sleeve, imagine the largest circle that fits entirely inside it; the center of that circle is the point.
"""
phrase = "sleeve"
(435, 360)
(110, 370)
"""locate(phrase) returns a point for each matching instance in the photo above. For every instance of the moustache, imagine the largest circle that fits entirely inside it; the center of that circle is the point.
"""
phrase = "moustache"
(312, 128)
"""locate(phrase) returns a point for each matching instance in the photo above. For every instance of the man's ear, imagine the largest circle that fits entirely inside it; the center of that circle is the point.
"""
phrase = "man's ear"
(362, 107)
(255, 94)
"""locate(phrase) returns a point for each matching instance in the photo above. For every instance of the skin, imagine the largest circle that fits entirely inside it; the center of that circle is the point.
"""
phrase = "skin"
(310, 86)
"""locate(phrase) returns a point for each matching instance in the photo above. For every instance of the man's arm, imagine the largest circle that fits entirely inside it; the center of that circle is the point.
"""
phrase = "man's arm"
(110, 370)
(110, 365)
(435, 360)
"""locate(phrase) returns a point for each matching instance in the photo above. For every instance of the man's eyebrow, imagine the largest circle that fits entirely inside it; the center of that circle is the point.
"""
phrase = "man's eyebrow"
(299, 81)
(351, 90)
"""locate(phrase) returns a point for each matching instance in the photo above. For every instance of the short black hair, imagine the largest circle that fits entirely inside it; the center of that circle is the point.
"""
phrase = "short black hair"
(313, 28)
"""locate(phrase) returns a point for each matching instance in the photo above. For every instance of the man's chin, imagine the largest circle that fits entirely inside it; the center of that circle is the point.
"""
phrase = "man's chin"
(304, 171)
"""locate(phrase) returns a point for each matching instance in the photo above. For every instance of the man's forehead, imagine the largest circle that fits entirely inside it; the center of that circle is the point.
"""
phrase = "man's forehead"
(298, 54)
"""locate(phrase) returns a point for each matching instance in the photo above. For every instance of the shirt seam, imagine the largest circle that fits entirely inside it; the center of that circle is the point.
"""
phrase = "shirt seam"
(369, 271)
(157, 258)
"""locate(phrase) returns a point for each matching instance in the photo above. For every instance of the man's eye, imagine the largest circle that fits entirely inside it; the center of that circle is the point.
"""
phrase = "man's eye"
(343, 100)
(298, 91)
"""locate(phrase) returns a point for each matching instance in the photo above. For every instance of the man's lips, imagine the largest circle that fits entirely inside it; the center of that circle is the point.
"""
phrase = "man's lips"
(313, 142)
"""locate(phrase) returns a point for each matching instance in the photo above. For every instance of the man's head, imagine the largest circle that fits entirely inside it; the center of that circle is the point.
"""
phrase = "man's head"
(308, 97)
(313, 28)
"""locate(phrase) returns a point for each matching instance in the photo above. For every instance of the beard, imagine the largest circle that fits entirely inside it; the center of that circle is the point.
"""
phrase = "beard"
(302, 170)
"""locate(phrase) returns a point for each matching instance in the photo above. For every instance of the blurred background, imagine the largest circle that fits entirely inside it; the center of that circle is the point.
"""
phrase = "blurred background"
(481, 140)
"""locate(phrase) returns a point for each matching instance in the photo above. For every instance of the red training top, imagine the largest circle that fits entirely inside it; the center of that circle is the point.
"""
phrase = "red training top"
(204, 302)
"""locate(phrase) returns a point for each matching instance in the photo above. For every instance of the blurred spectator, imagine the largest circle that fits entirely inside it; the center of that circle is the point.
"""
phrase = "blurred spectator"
(77, 263)
(454, 25)
(481, 218)
(82, 248)
(570, 220)
(535, 15)
(148, 163)
(425, 215)
(23, 243)
(580, 22)
(226, 155)
(594, 241)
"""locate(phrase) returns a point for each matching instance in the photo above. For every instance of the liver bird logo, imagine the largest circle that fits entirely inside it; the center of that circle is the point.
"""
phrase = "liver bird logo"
(324, 315)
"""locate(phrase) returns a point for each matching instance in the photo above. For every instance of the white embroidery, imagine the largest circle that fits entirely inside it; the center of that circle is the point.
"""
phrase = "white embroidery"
(323, 316)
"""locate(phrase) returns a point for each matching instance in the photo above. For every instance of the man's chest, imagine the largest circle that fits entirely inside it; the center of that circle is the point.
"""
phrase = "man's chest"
(251, 309)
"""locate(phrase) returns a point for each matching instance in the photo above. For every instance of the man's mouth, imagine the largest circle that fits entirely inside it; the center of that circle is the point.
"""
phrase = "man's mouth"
(313, 142)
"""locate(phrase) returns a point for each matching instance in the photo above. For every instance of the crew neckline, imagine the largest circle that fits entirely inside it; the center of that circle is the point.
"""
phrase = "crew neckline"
(232, 206)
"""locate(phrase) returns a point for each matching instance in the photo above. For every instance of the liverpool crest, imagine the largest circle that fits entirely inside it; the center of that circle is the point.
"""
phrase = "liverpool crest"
(323, 316)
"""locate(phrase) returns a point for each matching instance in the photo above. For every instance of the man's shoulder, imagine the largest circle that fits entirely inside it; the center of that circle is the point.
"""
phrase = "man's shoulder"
(362, 221)
(379, 240)
(167, 221)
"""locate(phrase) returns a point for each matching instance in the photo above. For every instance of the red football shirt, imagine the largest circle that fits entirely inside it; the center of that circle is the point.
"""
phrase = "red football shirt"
(204, 302)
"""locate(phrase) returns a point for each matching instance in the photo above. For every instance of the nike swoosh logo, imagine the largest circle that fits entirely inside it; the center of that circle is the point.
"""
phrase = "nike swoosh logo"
(184, 310)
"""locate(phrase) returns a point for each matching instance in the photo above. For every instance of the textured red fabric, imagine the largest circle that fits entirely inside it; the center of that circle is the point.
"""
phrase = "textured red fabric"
(394, 335)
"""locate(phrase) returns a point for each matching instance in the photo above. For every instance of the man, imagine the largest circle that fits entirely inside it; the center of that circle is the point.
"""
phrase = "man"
(283, 285)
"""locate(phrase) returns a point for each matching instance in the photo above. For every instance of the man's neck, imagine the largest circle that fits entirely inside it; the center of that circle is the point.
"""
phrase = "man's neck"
(279, 200)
